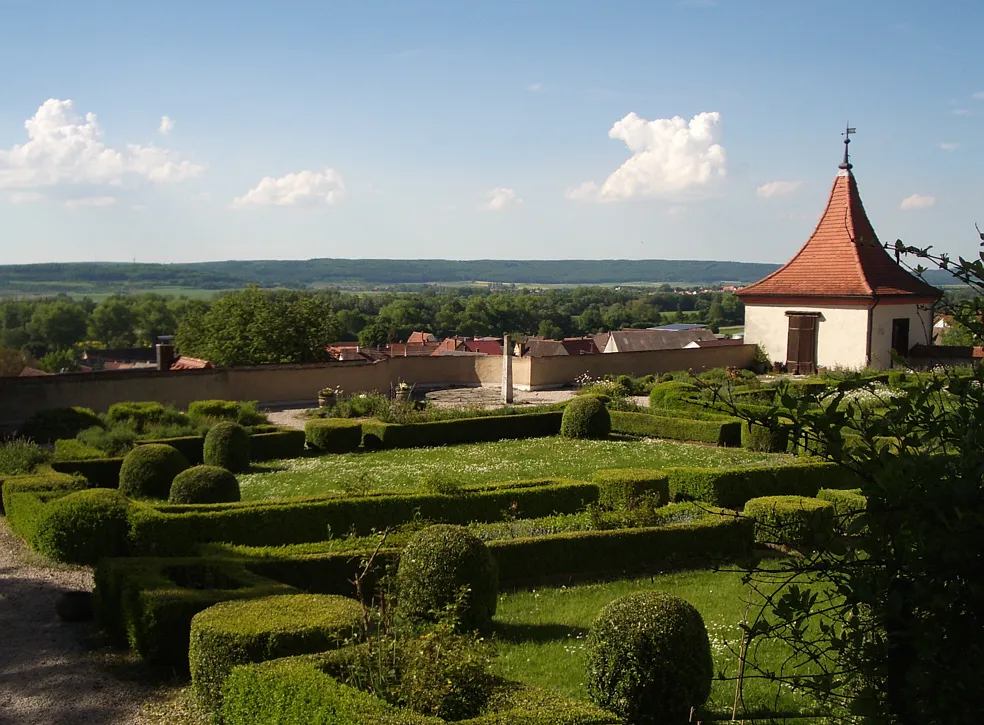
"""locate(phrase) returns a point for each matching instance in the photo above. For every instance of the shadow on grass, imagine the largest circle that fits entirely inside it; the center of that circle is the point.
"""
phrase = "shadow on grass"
(521, 633)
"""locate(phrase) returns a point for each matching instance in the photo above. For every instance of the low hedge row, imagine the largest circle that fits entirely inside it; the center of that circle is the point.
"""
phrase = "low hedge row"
(275, 445)
(69, 449)
(796, 521)
(101, 472)
(376, 435)
(333, 435)
(34, 483)
(720, 432)
(149, 603)
(849, 507)
(190, 447)
(623, 488)
(776, 439)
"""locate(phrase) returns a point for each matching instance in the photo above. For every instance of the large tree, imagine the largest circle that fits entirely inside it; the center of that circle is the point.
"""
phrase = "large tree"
(57, 325)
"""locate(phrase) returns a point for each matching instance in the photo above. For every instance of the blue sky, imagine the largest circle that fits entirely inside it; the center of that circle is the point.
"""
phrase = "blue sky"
(481, 130)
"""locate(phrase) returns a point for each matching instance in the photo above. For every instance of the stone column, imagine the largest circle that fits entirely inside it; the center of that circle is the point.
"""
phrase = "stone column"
(507, 379)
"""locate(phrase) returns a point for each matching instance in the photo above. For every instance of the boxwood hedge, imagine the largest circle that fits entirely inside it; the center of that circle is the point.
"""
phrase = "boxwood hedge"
(622, 488)
(277, 444)
(376, 435)
(333, 435)
(796, 521)
(721, 432)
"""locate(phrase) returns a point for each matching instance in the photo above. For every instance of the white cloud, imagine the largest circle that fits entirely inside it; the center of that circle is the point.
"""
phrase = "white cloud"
(167, 125)
(979, 95)
(778, 188)
(917, 201)
(960, 112)
(670, 156)
(139, 207)
(947, 146)
(201, 196)
(26, 197)
(63, 148)
(500, 198)
(534, 87)
(303, 188)
(86, 201)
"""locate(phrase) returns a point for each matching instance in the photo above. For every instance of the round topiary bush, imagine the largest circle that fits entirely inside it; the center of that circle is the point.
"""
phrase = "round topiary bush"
(204, 484)
(84, 527)
(147, 471)
(255, 630)
(436, 566)
(227, 446)
(673, 395)
(796, 521)
(585, 417)
(649, 658)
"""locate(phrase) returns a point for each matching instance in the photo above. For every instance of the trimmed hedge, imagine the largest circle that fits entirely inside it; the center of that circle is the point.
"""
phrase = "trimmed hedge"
(24, 496)
(758, 437)
(83, 527)
(731, 487)
(722, 432)
(333, 435)
(278, 444)
(101, 472)
(176, 530)
(37, 483)
(227, 446)
(147, 471)
(438, 564)
(673, 395)
(849, 507)
(240, 632)
(376, 435)
(623, 488)
(204, 484)
(796, 521)
(149, 603)
(47, 426)
(69, 449)
(191, 447)
(586, 417)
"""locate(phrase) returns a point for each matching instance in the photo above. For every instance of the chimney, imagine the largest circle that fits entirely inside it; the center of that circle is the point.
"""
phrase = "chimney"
(165, 352)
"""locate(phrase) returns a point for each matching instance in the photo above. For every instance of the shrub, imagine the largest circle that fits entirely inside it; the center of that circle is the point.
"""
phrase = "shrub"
(147, 471)
(69, 449)
(722, 432)
(238, 632)
(237, 411)
(625, 488)
(84, 527)
(649, 658)
(115, 441)
(586, 417)
(436, 566)
(47, 426)
(20, 456)
(143, 415)
(795, 521)
(333, 435)
(758, 437)
(461, 430)
(204, 484)
(672, 395)
(100, 472)
(45, 482)
(191, 447)
(227, 446)
(849, 507)
(277, 444)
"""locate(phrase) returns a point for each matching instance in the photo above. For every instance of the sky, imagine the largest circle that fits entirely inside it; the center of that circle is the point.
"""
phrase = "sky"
(684, 129)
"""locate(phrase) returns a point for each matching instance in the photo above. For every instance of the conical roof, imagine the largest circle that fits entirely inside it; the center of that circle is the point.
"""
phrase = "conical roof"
(842, 258)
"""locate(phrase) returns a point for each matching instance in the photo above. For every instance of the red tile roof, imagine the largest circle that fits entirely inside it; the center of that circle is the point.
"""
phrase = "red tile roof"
(842, 258)
(191, 363)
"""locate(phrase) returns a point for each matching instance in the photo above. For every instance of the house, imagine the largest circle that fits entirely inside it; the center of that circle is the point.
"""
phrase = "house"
(678, 327)
(477, 346)
(717, 342)
(419, 338)
(842, 300)
(580, 346)
(646, 340)
(191, 363)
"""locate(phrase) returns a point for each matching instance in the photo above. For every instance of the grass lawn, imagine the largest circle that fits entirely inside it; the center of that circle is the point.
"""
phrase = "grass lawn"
(542, 638)
(483, 462)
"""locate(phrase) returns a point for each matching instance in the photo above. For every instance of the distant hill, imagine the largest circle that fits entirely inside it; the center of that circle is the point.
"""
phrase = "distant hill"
(301, 274)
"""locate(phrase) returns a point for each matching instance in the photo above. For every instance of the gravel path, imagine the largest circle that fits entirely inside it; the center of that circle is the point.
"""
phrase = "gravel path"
(48, 676)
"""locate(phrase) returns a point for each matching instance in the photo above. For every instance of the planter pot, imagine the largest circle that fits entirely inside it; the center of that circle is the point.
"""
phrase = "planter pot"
(326, 400)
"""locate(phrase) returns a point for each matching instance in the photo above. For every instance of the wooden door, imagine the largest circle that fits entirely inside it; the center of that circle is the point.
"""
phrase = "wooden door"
(801, 344)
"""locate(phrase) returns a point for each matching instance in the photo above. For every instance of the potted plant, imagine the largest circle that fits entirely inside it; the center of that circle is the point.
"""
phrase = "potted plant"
(403, 391)
(328, 396)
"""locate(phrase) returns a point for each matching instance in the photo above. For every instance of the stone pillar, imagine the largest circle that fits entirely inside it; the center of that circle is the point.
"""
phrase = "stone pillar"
(507, 379)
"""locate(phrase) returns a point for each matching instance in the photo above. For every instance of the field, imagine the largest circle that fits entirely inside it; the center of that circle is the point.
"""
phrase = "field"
(483, 462)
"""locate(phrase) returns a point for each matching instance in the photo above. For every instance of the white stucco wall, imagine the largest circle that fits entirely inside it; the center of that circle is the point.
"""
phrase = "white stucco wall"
(920, 329)
(842, 333)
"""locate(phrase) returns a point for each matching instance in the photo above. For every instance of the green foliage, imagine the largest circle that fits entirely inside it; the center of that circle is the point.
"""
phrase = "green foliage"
(795, 521)
(147, 471)
(47, 426)
(278, 444)
(143, 415)
(333, 435)
(115, 441)
(191, 447)
(774, 438)
(649, 658)
(722, 432)
(464, 430)
(59, 361)
(19, 456)
(239, 632)
(439, 564)
(625, 488)
(55, 484)
(586, 417)
(204, 484)
(849, 507)
(227, 446)
(73, 450)
(673, 395)
(58, 325)
(238, 411)
(84, 527)
(101, 472)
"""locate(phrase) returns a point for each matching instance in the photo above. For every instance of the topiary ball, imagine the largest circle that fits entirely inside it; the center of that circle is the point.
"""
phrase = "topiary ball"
(147, 471)
(227, 446)
(84, 527)
(437, 564)
(204, 484)
(586, 417)
(649, 658)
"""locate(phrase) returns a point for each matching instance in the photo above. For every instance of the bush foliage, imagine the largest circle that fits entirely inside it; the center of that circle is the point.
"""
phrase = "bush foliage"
(47, 426)
(147, 471)
(796, 521)
(204, 484)
(19, 456)
(333, 435)
(84, 527)
(227, 446)
(626, 487)
(586, 417)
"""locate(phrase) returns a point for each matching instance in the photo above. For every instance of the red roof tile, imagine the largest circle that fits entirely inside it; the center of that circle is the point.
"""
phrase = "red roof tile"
(191, 363)
(842, 258)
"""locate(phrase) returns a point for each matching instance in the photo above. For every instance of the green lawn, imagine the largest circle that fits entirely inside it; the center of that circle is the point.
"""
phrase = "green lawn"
(483, 462)
(542, 636)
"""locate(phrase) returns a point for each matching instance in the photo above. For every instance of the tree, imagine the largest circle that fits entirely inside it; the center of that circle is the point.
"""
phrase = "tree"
(154, 317)
(373, 335)
(57, 325)
(13, 361)
(550, 330)
(58, 361)
(112, 323)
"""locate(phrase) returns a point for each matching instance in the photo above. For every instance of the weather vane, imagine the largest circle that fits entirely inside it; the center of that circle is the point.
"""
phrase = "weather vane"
(845, 164)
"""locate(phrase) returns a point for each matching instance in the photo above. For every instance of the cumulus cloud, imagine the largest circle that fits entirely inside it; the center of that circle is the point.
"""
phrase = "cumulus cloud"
(534, 87)
(87, 201)
(304, 188)
(947, 146)
(670, 156)
(501, 198)
(167, 125)
(778, 188)
(26, 197)
(917, 201)
(979, 95)
(64, 148)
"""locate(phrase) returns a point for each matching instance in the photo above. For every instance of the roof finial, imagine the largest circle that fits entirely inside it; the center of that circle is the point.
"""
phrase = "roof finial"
(846, 165)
